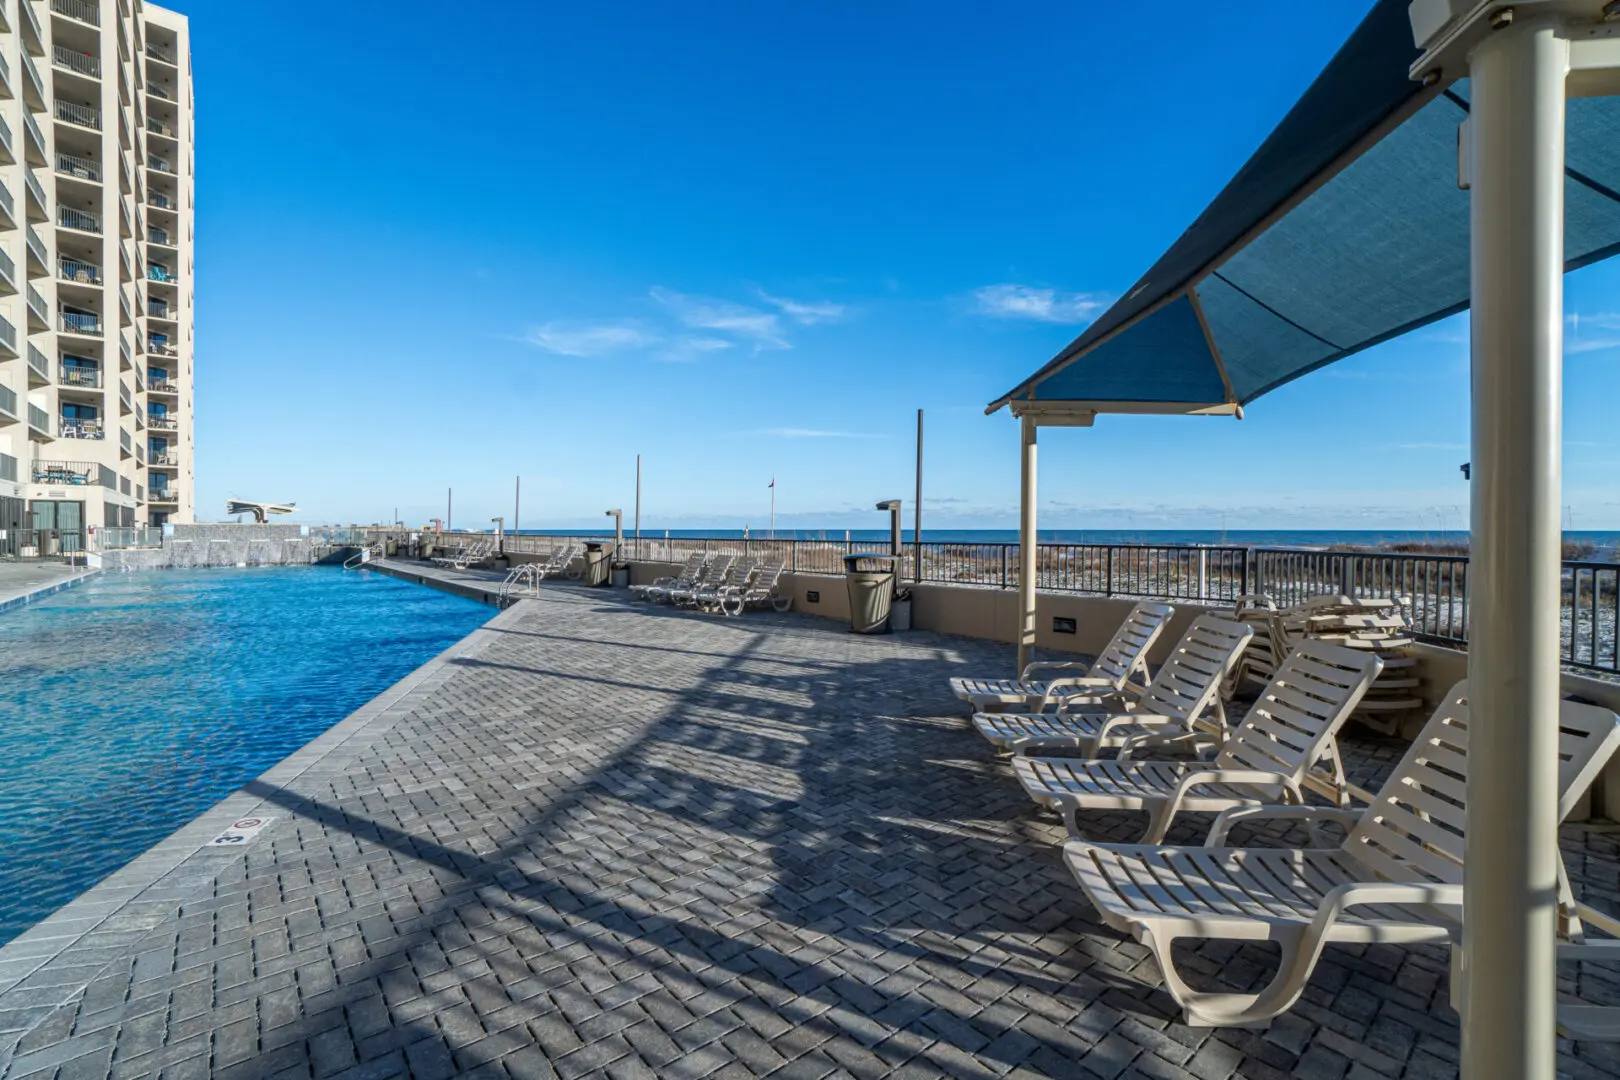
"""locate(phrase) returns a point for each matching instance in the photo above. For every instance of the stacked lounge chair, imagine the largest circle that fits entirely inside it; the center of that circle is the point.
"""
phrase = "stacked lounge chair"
(760, 589)
(655, 592)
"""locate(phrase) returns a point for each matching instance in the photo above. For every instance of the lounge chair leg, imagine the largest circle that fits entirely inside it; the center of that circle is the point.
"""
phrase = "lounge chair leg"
(1068, 810)
(1205, 1009)
(1159, 819)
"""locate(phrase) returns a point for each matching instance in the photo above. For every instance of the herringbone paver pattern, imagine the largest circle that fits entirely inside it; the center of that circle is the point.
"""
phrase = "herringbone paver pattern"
(629, 843)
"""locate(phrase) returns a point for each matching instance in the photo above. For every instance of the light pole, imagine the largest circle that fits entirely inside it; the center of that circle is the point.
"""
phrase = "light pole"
(618, 535)
(500, 535)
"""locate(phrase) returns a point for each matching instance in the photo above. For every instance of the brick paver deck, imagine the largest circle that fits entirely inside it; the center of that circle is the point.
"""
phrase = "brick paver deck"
(607, 840)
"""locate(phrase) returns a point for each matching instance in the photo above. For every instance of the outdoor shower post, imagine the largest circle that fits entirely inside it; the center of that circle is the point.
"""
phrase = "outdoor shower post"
(1026, 544)
(1516, 172)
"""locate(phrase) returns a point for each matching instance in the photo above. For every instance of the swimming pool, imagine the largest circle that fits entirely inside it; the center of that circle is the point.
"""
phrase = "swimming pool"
(133, 702)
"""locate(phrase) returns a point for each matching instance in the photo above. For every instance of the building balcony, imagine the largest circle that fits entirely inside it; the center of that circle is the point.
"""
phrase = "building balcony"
(8, 468)
(140, 456)
(8, 274)
(82, 10)
(80, 376)
(164, 386)
(8, 405)
(79, 168)
(159, 91)
(76, 272)
(160, 164)
(69, 218)
(126, 399)
(159, 347)
(39, 368)
(79, 63)
(162, 422)
(154, 126)
(36, 252)
(158, 309)
(162, 56)
(162, 496)
(8, 148)
(76, 428)
(6, 84)
(85, 116)
(32, 36)
(33, 85)
(164, 459)
(8, 339)
(126, 445)
(159, 201)
(80, 322)
(34, 144)
(36, 209)
(39, 424)
(39, 312)
(160, 273)
(74, 473)
(159, 236)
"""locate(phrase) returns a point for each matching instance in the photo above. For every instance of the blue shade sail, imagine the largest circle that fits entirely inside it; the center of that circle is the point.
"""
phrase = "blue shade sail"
(1345, 229)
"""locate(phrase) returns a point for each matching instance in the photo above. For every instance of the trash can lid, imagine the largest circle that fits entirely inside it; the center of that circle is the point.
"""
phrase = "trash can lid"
(869, 562)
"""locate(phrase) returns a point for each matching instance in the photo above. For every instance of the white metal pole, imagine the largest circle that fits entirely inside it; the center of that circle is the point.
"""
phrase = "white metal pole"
(517, 505)
(916, 509)
(1518, 75)
(638, 506)
(1026, 545)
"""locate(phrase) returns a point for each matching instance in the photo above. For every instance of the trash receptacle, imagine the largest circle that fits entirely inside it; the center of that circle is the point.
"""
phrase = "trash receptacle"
(871, 592)
(597, 555)
(390, 547)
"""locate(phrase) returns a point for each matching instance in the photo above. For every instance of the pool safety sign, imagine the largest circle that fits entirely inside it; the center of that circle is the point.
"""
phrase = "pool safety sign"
(241, 831)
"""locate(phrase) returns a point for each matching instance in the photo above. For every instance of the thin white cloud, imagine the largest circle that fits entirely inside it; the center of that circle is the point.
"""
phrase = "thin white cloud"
(763, 328)
(1591, 332)
(1431, 446)
(1010, 301)
(686, 350)
(588, 341)
(807, 313)
(815, 433)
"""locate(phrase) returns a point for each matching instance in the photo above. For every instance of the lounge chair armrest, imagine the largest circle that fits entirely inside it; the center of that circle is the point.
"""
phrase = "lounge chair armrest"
(1130, 719)
(1058, 690)
(1311, 814)
(1053, 665)
(1354, 894)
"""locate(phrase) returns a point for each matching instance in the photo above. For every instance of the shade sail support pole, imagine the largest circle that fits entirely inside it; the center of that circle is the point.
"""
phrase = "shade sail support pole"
(1026, 543)
(1510, 871)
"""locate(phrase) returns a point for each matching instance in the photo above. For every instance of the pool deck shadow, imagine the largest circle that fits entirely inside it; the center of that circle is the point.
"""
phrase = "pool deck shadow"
(599, 839)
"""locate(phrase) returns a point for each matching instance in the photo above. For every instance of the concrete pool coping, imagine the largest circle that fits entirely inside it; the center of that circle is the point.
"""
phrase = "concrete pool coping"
(51, 963)
(12, 598)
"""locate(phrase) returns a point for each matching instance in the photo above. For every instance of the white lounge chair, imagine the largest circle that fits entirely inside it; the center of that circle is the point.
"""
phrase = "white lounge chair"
(1124, 655)
(1283, 736)
(658, 586)
(560, 562)
(760, 590)
(707, 597)
(1396, 878)
(711, 576)
(1181, 705)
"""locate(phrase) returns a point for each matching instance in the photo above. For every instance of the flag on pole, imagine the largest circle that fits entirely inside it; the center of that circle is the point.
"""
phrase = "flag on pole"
(772, 483)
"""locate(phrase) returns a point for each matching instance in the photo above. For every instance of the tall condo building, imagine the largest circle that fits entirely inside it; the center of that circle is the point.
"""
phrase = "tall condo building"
(96, 278)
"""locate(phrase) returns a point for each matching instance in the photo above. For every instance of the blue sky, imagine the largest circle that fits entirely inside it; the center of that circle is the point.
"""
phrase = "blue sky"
(749, 240)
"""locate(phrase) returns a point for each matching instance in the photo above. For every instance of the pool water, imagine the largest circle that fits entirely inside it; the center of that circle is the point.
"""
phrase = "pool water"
(131, 703)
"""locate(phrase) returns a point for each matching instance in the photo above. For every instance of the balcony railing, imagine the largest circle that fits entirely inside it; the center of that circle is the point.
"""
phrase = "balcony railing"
(112, 538)
(39, 419)
(69, 218)
(38, 307)
(8, 400)
(35, 83)
(36, 246)
(76, 473)
(81, 322)
(74, 427)
(32, 127)
(8, 468)
(162, 495)
(127, 399)
(159, 164)
(5, 139)
(38, 363)
(85, 377)
(140, 455)
(82, 10)
(158, 127)
(160, 200)
(161, 422)
(80, 273)
(32, 22)
(158, 272)
(159, 54)
(82, 115)
(124, 442)
(161, 348)
(79, 168)
(165, 459)
(123, 349)
(8, 269)
(157, 309)
(8, 335)
(156, 90)
(73, 60)
(35, 189)
(165, 386)
(159, 236)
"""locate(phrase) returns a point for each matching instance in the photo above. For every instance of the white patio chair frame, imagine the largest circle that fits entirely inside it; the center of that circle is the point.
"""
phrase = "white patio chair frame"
(1124, 656)
(713, 573)
(1181, 707)
(688, 571)
(560, 563)
(760, 590)
(1396, 879)
(1284, 735)
(738, 575)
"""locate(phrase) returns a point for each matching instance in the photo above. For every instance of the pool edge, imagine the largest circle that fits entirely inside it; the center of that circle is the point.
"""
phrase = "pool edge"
(102, 924)
(38, 593)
